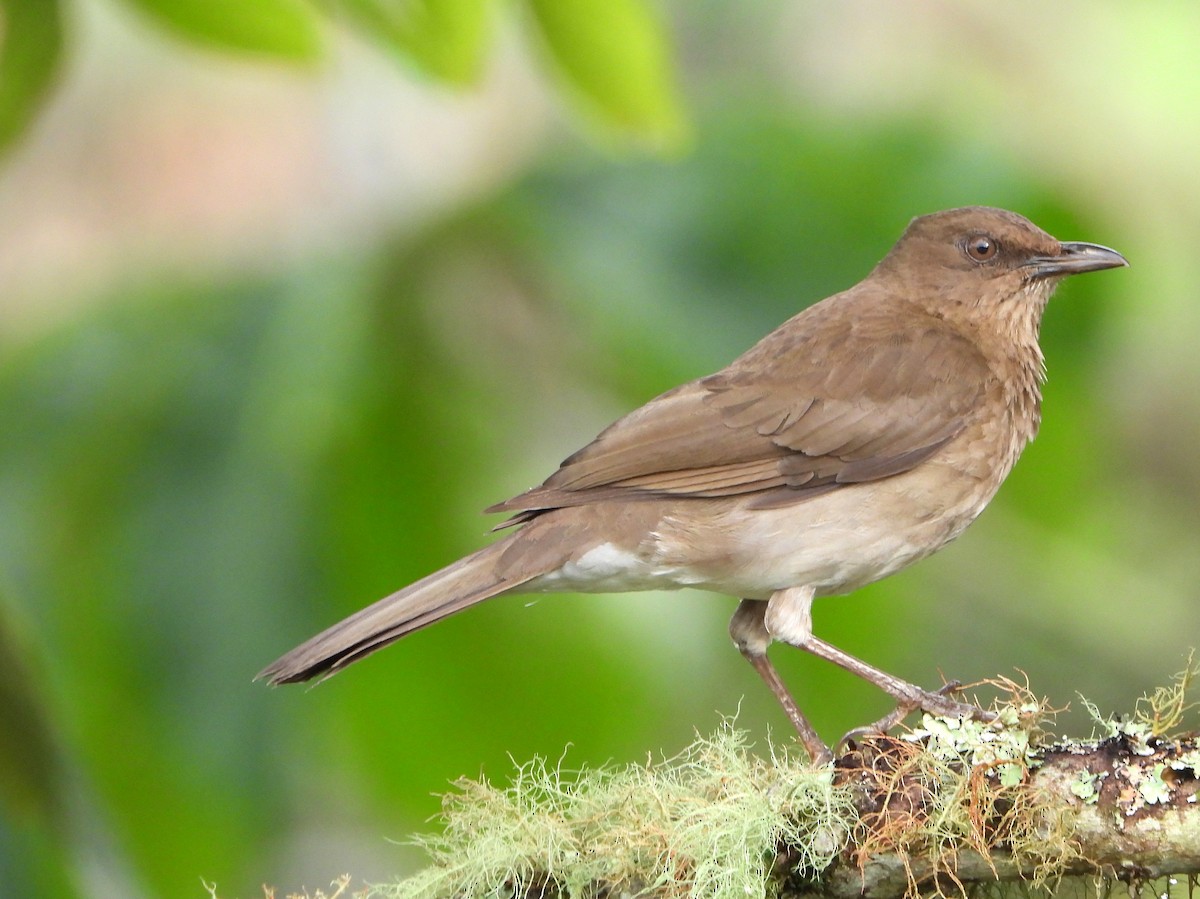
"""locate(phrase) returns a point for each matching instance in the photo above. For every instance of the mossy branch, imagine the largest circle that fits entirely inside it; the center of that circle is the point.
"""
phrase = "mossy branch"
(944, 808)
(1116, 809)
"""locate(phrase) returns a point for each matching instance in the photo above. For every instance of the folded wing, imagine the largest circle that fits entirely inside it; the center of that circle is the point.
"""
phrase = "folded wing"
(784, 421)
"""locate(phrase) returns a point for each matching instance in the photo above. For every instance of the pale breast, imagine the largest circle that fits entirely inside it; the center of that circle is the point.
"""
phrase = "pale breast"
(846, 538)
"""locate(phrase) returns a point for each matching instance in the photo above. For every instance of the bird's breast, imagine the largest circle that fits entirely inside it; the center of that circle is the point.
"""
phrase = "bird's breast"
(848, 537)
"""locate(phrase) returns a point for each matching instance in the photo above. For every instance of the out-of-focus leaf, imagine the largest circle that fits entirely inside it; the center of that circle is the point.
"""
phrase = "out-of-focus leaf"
(28, 754)
(35, 834)
(444, 38)
(288, 29)
(613, 53)
(30, 46)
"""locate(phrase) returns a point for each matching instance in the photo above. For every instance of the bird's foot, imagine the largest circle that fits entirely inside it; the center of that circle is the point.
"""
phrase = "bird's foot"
(935, 702)
(938, 702)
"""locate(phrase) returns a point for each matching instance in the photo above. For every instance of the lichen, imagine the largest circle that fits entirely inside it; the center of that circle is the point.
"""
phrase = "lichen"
(708, 822)
(720, 821)
(953, 785)
(1085, 787)
(1163, 711)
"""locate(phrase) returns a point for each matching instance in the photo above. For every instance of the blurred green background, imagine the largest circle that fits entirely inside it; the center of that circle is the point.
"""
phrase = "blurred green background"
(290, 290)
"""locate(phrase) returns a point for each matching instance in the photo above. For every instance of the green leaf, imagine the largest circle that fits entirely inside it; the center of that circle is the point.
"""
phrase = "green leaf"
(288, 29)
(31, 42)
(29, 758)
(612, 52)
(446, 39)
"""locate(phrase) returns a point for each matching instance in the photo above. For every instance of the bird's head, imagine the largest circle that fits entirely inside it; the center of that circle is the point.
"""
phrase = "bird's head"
(986, 267)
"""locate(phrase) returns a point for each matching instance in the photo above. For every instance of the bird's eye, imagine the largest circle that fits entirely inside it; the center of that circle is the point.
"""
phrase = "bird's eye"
(980, 247)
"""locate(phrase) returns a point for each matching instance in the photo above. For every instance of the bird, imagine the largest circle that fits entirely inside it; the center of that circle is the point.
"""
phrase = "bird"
(860, 436)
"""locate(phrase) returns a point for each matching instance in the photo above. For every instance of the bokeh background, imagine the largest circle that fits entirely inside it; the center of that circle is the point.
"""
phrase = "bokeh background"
(275, 323)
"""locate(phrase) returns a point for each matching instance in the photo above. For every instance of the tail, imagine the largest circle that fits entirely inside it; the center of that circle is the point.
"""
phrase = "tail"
(464, 583)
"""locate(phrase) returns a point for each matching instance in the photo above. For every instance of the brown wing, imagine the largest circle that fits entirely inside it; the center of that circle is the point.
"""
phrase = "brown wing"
(835, 396)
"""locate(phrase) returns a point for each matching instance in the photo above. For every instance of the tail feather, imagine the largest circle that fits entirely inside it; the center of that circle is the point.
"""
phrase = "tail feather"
(469, 580)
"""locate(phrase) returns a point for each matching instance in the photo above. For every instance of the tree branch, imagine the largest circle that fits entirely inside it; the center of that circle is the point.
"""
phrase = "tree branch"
(940, 808)
(1122, 808)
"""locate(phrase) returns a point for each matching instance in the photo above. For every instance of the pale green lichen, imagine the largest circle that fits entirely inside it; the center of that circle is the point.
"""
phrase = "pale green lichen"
(1003, 745)
(1136, 732)
(1085, 787)
(719, 821)
(706, 823)
(713, 821)
(1152, 788)
(1163, 711)
(338, 889)
(973, 782)
(1157, 715)
(1187, 761)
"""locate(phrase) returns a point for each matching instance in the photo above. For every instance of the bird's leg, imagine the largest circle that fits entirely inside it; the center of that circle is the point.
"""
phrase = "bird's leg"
(789, 619)
(749, 632)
